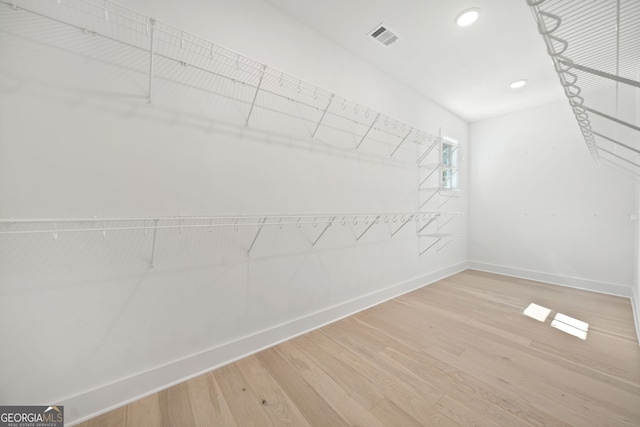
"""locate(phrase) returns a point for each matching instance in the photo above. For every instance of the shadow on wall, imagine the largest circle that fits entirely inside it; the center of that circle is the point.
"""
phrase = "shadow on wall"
(37, 260)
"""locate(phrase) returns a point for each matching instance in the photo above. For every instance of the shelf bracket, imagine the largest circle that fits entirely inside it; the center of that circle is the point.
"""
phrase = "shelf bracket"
(429, 221)
(599, 73)
(253, 242)
(152, 23)
(403, 224)
(619, 157)
(430, 246)
(403, 139)
(616, 142)
(153, 249)
(426, 153)
(443, 246)
(255, 95)
(375, 221)
(322, 117)
(326, 227)
(446, 200)
(444, 224)
(635, 174)
(368, 130)
(613, 119)
(428, 198)
(429, 176)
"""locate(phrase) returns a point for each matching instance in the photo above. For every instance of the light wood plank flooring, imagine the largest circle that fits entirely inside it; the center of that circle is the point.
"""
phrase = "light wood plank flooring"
(456, 353)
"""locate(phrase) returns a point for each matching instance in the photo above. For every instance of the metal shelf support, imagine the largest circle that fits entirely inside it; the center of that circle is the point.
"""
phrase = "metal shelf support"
(599, 73)
(433, 218)
(628, 147)
(368, 130)
(613, 119)
(619, 157)
(255, 95)
(428, 198)
(443, 246)
(426, 153)
(322, 117)
(153, 248)
(444, 224)
(367, 229)
(152, 23)
(324, 230)
(403, 140)
(403, 224)
(253, 242)
(429, 176)
(430, 246)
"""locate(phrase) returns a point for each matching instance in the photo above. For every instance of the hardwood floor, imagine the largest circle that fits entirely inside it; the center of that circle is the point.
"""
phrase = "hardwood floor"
(459, 352)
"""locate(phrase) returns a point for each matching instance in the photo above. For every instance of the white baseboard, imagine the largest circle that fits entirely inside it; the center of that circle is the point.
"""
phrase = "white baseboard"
(87, 405)
(635, 305)
(556, 279)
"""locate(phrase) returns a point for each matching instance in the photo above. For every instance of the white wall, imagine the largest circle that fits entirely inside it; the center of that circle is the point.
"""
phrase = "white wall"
(636, 276)
(539, 207)
(85, 313)
(636, 279)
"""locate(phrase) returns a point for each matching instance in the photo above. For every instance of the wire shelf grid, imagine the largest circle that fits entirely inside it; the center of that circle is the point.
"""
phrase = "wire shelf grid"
(263, 85)
(56, 226)
(595, 48)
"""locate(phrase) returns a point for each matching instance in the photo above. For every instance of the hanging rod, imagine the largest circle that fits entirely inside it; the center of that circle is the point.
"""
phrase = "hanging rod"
(210, 222)
(127, 26)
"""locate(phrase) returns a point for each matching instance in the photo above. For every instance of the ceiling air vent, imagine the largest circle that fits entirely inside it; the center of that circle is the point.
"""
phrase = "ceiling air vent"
(384, 35)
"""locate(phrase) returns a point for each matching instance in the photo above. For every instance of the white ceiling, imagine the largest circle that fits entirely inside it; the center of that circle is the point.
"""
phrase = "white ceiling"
(466, 70)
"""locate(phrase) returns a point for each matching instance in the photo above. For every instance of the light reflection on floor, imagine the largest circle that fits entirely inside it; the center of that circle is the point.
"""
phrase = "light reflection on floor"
(572, 326)
(562, 322)
(537, 312)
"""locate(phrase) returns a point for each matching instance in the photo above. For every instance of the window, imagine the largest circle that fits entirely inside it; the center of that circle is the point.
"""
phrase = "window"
(449, 165)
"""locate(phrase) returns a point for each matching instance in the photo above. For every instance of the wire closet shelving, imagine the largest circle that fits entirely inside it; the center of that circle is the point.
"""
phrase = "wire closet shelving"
(595, 49)
(320, 221)
(260, 84)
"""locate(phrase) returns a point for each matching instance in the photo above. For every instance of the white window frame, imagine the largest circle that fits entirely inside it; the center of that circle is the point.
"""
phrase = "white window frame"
(449, 180)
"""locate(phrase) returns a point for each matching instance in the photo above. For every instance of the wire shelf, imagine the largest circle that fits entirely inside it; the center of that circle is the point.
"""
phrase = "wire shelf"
(595, 48)
(55, 226)
(262, 87)
(258, 91)
(319, 223)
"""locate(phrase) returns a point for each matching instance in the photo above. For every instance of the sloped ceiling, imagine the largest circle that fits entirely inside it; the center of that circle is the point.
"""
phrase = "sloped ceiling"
(467, 70)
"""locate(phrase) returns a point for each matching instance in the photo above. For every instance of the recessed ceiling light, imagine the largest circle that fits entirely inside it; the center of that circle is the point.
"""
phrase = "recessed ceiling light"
(467, 17)
(518, 84)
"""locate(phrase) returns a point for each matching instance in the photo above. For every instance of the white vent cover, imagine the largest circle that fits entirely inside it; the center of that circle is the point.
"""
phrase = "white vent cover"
(384, 35)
